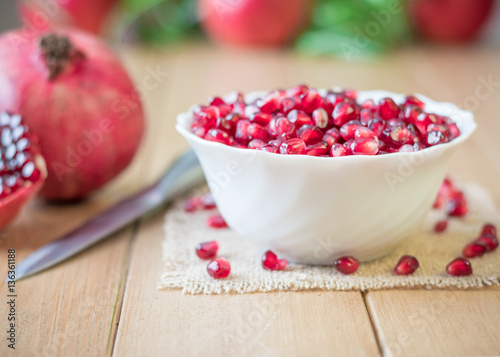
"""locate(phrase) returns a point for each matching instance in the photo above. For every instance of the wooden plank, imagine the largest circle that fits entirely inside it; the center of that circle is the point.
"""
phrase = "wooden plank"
(284, 324)
(436, 323)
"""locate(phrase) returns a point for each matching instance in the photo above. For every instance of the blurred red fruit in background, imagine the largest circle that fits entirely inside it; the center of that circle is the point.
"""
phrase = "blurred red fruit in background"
(450, 20)
(253, 22)
(88, 15)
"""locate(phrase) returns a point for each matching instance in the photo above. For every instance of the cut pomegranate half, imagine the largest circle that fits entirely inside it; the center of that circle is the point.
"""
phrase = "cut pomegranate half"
(22, 168)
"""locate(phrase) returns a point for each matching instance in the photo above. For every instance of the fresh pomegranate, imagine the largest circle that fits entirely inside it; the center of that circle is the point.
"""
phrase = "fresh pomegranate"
(88, 15)
(346, 265)
(450, 20)
(22, 168)
(219, 268)
(216, 222)
(78, 99)
(406, 265)
(253, 22)
(301, 121)
(207, 250)
(459, 267)
(271, 262)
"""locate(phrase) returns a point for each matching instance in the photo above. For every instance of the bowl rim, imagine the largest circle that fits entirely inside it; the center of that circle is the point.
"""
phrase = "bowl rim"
(465, 123)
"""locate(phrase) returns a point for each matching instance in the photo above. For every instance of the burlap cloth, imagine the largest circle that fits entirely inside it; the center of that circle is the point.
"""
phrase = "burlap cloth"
(184, 270)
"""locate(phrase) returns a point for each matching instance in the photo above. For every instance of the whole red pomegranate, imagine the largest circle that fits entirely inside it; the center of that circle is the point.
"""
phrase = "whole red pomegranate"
(450, 20)
(253, 22)
(88, 15)
(78, 100)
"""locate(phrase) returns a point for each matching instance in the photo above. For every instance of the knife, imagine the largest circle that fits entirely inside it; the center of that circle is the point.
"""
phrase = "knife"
(184, 174)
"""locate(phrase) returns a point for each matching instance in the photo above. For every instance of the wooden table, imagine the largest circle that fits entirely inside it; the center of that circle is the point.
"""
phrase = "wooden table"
(104, 301)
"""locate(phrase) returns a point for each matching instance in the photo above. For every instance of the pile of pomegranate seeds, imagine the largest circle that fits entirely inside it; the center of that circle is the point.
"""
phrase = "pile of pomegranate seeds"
(300, 121)
(219, 268)
(207, 250)
(406, 265)
(271, 262)
(346, 265)
(17, 162)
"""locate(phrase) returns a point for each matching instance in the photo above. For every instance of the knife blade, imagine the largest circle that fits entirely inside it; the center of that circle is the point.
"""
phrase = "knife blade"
(184, 174)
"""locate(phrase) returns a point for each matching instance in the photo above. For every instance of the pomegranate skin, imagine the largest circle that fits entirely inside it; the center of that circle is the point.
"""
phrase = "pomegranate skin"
(253, 23)
(88, 118)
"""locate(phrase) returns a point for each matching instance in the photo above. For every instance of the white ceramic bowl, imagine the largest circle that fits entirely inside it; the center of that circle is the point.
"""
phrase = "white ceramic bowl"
(315, 209)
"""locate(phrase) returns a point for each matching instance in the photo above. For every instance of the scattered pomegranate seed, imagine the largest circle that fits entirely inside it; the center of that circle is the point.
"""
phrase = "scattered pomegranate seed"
(489, 228)
(474, 249)
(219, 268)
(216, 222)
(406, 265)
(207, 250)
(302, 113)
(271, 262)
(346, 265)
(207, 201)
(441, 226)
(457, 205)
(489, 240)
(192, 204)
(459, 267)
(338, 150)
(318, 149)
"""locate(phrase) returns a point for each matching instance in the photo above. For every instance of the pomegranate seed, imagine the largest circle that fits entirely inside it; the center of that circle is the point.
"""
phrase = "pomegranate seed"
(207, 250)
(338, 150)
(293, 146)
(271, 262)
(363, 132)
(364, 146)
(348, 129)
(455, 132)
(474, 249)
(489, 228)
(256, 131)
(406, 265)
(216, 222)
(192, 204)
(320, 118)
(436, 137)
(441, 226)
(269, 148)
(457, 205)
(439, 127)
(318, 149)
(219, 268)
(299, 118)
(289, 104)
(311, 101)
(399, 135)
(284, 127)
(297, 91)
(234, 97)
(207, 201)
(489, 240)
(459, 267)
(387, 109)
(365, 115)
(406, 148)
(343, 113)
(377, 126)
(216, 101)
(241, 134)
(368, 104)
(270, 105)
(218, 136)
(255, 144)
(262, 118)
(310, 134)
(346, 265)
(412, 100)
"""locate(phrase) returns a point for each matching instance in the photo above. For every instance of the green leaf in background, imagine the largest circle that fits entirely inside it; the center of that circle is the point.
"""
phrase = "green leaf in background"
(355, 29)
(162, 21)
